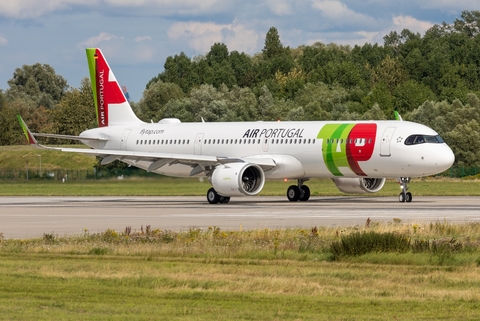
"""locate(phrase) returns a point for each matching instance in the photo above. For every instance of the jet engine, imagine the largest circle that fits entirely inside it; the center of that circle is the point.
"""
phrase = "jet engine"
(238, 179)
(359, 185)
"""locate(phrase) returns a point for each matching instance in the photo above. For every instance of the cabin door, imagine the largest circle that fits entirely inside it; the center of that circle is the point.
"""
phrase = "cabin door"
(198, 144)
(385, 143)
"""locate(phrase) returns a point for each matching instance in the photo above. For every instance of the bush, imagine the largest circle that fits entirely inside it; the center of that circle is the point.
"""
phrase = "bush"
(366, 242)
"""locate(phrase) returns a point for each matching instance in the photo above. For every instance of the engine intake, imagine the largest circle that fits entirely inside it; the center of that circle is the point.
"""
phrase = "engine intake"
(237, 179)
(359, 185)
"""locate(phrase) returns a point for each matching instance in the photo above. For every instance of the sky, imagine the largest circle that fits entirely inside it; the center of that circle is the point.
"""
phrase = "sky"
(137, 36)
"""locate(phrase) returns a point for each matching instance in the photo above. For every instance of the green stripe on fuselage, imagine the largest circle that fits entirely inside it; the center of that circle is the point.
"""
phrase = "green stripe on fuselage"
(334, 140)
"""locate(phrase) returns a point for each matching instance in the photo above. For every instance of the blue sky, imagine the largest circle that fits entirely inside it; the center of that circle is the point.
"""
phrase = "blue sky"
(138, 35)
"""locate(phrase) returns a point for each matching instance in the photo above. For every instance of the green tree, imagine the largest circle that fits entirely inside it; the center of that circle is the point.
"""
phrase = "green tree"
(179, 70)
(155, 97)
(380, 95)
(465, 142)
(76, 111)
(469, 24)
(374, 113)
(273, 46)
(275, 58)
(410, 95)
(390, 72)
(10, 130)
(243, 69)
(39, 83)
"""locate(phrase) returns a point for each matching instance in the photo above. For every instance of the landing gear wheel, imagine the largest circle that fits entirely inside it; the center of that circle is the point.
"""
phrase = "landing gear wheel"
(408, 197)
(212, 196)
(404, 195)
(224, 200)
(304, 193)
(293, 193)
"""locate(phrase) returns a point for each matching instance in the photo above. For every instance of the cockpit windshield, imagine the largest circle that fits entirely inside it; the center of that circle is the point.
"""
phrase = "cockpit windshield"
(421, 139)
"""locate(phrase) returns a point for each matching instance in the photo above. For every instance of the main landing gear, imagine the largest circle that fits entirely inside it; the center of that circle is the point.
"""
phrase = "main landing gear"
(404, 195)
(214, 198)
(298, 193)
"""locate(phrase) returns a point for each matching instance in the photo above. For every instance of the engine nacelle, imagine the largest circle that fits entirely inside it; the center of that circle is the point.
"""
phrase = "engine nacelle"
(237, 179)
(359, 185)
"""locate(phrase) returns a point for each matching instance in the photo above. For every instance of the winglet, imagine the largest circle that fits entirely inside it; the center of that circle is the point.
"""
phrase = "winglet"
(28, 134)
(397, 116)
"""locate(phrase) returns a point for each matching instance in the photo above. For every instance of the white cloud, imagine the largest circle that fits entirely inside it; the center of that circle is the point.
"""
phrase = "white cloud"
(410, 23)
(456, 6)
(142, 38)
(169, 7)
(102, 37)
(27, 9)
(338, 12)
(202, 35)
(279, 7)
(3, 40)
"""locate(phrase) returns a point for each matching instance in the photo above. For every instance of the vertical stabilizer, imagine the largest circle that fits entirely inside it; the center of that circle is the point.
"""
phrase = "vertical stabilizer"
(110, 103)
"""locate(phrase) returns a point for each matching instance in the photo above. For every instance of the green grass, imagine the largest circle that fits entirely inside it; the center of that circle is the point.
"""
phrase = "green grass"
(167, 186)
(238, 275)
(22, 156)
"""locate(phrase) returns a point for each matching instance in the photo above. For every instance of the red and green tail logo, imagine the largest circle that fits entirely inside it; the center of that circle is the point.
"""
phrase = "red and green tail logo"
(105, 88)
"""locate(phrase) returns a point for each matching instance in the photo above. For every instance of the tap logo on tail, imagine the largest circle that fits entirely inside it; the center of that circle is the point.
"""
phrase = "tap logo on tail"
(106, 89)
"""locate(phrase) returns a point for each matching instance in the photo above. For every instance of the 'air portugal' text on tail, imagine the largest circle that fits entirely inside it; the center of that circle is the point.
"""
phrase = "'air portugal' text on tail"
(111, 106)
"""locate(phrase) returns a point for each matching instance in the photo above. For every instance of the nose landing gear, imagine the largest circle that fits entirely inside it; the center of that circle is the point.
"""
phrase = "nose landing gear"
(404, 195)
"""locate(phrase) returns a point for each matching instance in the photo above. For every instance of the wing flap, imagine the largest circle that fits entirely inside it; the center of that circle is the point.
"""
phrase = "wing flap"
(192, 159)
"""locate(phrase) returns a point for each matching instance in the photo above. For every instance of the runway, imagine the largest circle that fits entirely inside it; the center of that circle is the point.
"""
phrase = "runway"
(27, 217)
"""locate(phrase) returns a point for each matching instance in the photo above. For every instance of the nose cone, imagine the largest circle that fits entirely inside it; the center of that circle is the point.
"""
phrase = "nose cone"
(445, 158)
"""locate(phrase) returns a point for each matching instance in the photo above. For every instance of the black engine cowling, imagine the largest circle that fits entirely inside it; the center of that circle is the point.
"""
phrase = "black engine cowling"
(359, 185)
(237, 179)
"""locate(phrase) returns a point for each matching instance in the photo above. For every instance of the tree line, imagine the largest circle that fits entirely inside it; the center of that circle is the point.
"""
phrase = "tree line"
(433, 79)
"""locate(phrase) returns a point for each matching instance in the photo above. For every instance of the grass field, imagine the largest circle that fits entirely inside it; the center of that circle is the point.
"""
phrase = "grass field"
(191, 186)
(242, 275)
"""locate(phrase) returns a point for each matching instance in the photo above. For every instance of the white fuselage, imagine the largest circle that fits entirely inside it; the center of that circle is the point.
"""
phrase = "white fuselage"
(300, 149)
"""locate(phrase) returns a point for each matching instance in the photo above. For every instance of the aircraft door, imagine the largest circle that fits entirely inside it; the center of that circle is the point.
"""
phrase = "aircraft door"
(198, 144)
(385, 143)
(123, 142)
(265, 145)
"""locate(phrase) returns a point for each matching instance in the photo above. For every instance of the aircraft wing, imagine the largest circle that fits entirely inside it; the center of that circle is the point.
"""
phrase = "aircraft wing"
(70, 137)
(160, 159)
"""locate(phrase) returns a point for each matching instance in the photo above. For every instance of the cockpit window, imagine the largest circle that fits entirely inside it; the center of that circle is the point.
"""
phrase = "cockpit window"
(421, 139)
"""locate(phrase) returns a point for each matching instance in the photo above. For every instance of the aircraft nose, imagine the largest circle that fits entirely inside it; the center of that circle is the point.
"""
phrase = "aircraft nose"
(446, 158)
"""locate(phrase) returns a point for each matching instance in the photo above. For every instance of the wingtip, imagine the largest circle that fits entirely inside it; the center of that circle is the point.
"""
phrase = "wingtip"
(28, 134)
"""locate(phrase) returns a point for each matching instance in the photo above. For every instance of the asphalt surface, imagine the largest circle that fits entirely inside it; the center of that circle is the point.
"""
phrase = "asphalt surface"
(27, 217)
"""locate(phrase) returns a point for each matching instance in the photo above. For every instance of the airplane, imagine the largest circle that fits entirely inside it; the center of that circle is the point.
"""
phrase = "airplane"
(238, 157)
